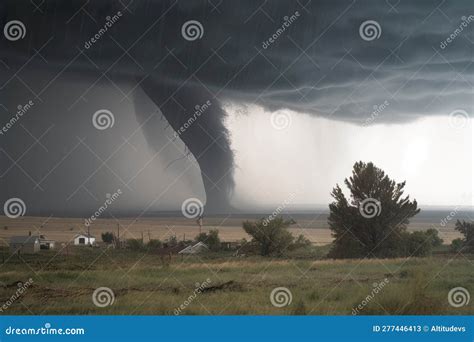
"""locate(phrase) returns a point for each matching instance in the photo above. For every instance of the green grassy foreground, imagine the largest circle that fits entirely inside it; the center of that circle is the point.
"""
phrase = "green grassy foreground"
(143, 284)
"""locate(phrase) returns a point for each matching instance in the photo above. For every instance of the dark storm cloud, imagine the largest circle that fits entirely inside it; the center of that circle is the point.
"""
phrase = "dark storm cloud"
(318, 65)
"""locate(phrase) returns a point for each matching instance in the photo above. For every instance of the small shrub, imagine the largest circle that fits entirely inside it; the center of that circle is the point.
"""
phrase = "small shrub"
(108, 237)
(154, 244)
(135, 244)
(404, 274)
(457, 245)
(171, 242)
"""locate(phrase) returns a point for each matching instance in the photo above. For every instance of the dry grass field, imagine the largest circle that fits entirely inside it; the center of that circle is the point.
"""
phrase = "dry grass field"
(142, 284)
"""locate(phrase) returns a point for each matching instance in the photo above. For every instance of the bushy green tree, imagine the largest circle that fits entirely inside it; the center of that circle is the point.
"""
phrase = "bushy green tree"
(211, 239)
(271, 237)
(436, 241)
(370, 223)
(467, 230)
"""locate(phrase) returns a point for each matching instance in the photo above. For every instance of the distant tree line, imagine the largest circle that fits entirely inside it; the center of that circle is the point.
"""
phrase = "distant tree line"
(211, 239)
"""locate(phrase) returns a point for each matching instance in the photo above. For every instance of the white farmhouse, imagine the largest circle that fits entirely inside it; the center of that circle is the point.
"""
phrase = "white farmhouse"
(84, 240)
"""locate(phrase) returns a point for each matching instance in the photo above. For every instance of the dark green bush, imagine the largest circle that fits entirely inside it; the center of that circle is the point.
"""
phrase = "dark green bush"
(271, 236)
(300, 242)
(154, 244)
(416, 244)
(211, 239)
(108, 237)
(467, 230)
(171, 242)
(436, 241)
(457, 245)
(135, 244)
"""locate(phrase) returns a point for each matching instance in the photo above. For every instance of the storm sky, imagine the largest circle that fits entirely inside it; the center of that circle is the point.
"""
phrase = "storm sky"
(303, 89)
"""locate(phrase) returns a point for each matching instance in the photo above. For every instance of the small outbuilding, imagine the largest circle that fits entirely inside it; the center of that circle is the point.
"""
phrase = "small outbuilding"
(195, 249)
(46, 243)
(25, 244)
(84, 240)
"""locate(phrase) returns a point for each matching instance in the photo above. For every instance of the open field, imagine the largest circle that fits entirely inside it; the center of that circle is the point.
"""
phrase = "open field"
(143, 284)
(65, 279)
(315, 228)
